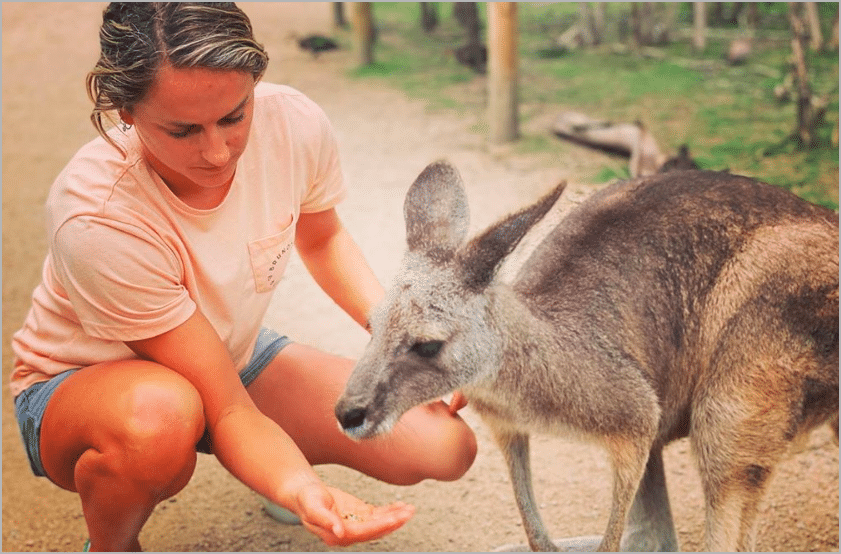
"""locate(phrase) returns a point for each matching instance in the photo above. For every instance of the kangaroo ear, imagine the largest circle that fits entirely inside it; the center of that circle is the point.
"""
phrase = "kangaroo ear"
(436, 212)
(481, 257)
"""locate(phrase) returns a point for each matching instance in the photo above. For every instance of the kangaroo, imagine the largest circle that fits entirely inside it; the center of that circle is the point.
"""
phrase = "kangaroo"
(688, 303)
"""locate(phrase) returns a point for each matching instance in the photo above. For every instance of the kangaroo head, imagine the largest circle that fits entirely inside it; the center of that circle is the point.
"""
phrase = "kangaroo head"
(433, 334)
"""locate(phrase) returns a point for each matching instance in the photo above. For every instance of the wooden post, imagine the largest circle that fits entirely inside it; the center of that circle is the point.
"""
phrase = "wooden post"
(699, 37)
(363, 32)
(502, 72)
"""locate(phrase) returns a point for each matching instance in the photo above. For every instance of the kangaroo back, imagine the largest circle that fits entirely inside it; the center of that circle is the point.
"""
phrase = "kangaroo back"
(686, 271)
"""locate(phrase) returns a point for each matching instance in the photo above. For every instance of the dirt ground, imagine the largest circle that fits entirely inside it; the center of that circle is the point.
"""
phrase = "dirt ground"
(386, 139)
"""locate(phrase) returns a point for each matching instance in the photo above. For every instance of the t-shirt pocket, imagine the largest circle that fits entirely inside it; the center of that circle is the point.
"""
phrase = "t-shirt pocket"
(269, 257)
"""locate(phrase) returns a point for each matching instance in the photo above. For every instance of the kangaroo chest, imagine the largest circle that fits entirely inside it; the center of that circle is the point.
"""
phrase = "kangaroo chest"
(525, 409)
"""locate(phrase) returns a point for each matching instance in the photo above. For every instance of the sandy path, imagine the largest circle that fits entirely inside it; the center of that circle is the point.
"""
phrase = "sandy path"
(47, 48)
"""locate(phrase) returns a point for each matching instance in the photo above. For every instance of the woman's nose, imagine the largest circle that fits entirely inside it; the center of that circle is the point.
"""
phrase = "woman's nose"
(215, 148)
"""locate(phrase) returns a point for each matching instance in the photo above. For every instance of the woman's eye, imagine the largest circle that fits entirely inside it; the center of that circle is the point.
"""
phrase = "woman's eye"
(180, 134)
(427, 349)
(233, 120)
(226, 122)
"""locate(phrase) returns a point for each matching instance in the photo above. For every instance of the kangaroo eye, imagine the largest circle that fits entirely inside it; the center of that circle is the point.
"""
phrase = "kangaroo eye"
(427, 349)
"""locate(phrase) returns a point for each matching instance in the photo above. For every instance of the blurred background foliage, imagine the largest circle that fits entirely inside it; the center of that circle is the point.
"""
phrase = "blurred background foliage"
(738, 115)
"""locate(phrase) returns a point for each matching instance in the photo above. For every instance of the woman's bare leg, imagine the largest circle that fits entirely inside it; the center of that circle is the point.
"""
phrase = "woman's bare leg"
(123, 436)
(299, 390)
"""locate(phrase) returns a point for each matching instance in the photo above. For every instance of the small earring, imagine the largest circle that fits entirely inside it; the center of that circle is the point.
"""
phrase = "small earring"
(125, 126)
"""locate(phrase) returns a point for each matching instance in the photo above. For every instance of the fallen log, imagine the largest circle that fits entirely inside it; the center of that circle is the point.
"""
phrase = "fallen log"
(627, 139)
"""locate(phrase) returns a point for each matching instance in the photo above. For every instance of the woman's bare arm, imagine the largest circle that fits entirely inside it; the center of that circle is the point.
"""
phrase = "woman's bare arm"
(337, 264)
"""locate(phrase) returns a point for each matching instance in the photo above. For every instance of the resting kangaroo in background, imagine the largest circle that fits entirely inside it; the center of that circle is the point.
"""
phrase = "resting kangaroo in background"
(688, 303)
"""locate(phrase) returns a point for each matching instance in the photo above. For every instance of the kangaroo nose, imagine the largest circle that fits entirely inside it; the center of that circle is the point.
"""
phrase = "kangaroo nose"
(352, 418)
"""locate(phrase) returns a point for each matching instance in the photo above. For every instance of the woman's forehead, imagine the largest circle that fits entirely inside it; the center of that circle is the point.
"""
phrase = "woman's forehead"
(196, 95)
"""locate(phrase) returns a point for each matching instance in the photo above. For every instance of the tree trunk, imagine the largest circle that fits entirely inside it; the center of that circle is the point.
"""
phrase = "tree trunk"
(815, 33)
(429, 16)
(363, 32)
(638, 19)
(598, 22)
(589, 18)
(738, 8)
(669, 22)
(805, 120)
(649, 20)
(753, 15)
(502, 72)
(339, 15)
(467, 15)
(699, 35)
(716, 18)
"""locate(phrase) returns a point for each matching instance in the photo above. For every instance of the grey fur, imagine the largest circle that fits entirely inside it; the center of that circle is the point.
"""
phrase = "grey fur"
(689, 303)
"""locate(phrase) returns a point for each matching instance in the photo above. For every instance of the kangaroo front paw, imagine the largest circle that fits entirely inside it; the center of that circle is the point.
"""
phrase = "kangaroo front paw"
(512, 548)
(589, 543)
(575, 544)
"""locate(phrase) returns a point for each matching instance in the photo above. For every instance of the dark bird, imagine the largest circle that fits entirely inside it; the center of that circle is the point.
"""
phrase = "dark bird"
(680, 162)
(317, 44)
(474, 56)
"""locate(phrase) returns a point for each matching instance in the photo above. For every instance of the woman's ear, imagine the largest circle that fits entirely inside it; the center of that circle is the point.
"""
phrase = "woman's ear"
(126, 117)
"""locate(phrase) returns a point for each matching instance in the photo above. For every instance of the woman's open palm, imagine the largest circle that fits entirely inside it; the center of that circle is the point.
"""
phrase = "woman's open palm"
(341, 519)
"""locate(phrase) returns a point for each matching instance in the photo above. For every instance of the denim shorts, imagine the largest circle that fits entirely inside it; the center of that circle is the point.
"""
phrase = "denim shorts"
(32, 402)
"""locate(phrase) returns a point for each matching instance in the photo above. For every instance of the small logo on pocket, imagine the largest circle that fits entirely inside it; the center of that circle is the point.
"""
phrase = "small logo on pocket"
(269, 258)
(277, 264)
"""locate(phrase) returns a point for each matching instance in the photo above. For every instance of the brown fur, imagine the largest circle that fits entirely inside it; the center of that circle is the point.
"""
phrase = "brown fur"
(688, 303)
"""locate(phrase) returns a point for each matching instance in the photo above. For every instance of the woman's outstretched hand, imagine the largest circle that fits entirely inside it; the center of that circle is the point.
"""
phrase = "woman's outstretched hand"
(340, 519)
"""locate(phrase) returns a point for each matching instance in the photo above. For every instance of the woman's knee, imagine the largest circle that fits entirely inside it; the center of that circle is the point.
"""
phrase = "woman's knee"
(164, 407)
(136, 421)
(164, 420)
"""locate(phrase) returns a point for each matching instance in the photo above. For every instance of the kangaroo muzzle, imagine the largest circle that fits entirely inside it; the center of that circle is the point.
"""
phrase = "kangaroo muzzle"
(355, 420)
(351, 419)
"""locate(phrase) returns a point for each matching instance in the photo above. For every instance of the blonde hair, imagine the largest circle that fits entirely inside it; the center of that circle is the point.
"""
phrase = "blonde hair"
(137, 38)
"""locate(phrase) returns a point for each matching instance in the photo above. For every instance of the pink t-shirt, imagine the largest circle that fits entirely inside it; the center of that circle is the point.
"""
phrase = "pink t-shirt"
(128, 260)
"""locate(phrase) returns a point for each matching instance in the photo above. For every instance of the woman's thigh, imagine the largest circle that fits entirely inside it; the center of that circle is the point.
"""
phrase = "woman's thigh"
(299, 390)
(118, 405)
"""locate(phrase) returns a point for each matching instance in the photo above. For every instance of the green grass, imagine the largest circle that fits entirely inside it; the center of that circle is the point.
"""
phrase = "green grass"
(727, 115)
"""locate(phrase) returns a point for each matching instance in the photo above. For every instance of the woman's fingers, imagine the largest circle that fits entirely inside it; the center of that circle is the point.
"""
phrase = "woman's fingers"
(340, 519)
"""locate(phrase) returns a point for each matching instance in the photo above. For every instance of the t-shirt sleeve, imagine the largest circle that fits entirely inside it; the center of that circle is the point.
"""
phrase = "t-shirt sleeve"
(327, 187)
(124, 283)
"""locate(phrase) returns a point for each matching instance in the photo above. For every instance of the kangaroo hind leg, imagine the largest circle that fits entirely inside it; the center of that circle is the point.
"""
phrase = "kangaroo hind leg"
(629, 456)
(736, 459)
(732, 507)
(650, 526)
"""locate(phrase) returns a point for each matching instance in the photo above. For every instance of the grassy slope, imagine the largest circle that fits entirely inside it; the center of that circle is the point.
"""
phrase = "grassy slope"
(727, 115)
